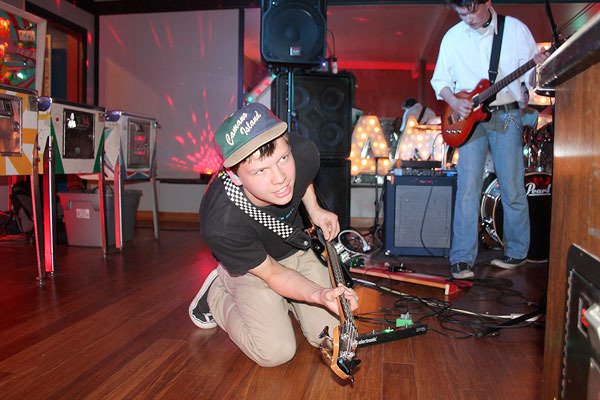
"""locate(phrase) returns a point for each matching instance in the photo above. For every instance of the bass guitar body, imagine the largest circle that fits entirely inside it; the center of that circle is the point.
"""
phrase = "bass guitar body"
(456, 130)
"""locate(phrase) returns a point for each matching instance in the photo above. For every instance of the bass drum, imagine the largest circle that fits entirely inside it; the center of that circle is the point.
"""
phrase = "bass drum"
(538, 186)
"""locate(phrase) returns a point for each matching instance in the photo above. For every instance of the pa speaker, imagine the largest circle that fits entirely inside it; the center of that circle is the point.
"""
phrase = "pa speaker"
(333, 186)
(418, 215)
(293, 31)
(322, 109)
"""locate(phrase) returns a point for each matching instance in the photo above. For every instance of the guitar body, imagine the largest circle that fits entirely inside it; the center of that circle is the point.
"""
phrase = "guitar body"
(456, 130)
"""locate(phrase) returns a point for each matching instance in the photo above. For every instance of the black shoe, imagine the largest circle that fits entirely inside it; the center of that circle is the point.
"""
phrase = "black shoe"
(199, 311)
(508, 262)
(461, 270)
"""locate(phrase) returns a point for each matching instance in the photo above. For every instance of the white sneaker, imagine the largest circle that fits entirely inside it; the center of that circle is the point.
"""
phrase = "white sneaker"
(508, 262)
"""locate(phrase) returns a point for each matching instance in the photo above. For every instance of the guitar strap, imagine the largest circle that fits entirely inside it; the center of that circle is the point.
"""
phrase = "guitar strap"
(293, 236)
(496, 46)
(421, 114)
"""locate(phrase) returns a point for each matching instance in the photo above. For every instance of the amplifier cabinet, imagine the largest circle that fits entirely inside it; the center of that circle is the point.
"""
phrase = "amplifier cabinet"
(581, 358)
(333, 184)
(418, 215)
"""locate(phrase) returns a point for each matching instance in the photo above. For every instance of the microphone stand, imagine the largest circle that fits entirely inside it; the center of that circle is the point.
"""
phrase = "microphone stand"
(291, 114)
(377, 202)
(555, 35)
(557, 41)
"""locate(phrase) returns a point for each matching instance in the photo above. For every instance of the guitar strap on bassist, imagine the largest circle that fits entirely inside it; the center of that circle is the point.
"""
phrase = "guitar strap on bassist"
(496, 46)
(421, 114)
(293, 236)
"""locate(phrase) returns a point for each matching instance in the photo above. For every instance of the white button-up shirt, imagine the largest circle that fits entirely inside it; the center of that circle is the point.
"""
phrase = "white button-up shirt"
(464, 58)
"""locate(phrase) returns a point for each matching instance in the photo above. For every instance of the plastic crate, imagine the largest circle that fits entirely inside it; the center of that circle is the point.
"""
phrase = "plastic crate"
(82, 217)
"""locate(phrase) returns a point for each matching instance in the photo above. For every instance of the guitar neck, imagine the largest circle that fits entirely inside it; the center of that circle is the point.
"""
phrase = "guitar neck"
(339, 349)
(338, 278)
(502, 83)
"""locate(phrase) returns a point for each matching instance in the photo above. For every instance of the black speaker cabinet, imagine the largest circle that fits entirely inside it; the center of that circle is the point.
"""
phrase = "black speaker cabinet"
(333, 185)
(323, 109)
(293, 31)
(581, 359)
(418, 215)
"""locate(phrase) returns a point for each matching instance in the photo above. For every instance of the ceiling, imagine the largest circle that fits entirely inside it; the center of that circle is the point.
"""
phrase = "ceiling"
(391, 34)
(405, 36)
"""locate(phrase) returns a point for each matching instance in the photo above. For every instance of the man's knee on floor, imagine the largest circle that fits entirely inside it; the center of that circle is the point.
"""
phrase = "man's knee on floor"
(276, 354)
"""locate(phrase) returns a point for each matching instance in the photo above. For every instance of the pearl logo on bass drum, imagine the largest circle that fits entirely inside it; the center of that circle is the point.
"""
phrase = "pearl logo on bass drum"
(532, 189)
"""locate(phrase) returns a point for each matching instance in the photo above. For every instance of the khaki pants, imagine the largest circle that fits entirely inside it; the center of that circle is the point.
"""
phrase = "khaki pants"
(257, 319)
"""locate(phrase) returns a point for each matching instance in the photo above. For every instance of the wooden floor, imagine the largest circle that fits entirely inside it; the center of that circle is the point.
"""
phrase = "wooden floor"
(119, 329)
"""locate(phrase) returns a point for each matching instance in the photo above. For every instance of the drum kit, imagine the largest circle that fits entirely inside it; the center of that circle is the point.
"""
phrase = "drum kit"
(537, 156)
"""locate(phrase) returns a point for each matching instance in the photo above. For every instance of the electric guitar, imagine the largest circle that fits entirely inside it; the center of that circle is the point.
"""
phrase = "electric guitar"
(338, 349)
(457, 130)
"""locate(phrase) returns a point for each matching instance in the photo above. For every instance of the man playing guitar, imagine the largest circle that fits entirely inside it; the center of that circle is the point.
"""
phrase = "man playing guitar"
(463, 61)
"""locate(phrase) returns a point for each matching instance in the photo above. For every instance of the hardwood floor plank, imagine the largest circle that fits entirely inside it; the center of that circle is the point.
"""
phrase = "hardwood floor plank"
(119, 328)
(135, 378)
(369, 375)
(399, 381)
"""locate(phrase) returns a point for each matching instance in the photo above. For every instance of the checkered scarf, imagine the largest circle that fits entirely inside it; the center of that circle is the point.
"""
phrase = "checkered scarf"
(291, 235)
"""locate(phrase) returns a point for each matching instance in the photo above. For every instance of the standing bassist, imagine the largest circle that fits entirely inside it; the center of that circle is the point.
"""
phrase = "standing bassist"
(466, 57)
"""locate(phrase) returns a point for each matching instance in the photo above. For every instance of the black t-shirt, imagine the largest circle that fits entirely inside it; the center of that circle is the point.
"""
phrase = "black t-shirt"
(239, 242)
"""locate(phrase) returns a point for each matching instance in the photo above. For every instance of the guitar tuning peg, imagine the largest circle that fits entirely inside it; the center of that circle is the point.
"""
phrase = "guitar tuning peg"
(324, 333)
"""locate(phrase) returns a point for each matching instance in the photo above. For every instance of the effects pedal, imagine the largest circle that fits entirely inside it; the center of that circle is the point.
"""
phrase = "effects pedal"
(391, 334)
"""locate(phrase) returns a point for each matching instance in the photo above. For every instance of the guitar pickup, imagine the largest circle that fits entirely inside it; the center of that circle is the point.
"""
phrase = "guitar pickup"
(341, 251)
(452, 119)
(452, 131)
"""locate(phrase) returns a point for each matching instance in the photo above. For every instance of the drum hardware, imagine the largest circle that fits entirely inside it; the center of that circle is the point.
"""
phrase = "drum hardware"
(486, 239)
(538, 148)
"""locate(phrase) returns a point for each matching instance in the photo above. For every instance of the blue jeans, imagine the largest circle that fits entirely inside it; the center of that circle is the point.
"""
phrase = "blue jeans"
(503, 134)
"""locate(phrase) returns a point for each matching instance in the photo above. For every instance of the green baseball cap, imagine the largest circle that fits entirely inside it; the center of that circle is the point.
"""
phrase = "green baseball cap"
(247, 129)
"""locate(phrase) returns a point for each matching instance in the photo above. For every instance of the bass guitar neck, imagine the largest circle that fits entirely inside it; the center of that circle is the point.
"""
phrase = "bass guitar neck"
(338, 349)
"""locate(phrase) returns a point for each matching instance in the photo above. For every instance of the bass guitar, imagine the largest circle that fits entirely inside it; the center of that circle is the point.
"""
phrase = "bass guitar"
(338, 349)
(457, 130)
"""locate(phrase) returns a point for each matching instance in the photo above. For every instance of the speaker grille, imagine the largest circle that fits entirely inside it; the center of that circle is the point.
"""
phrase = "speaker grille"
(323, 109)
(333, 185)
(418, 224)
(418, 215)
(293, 31)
